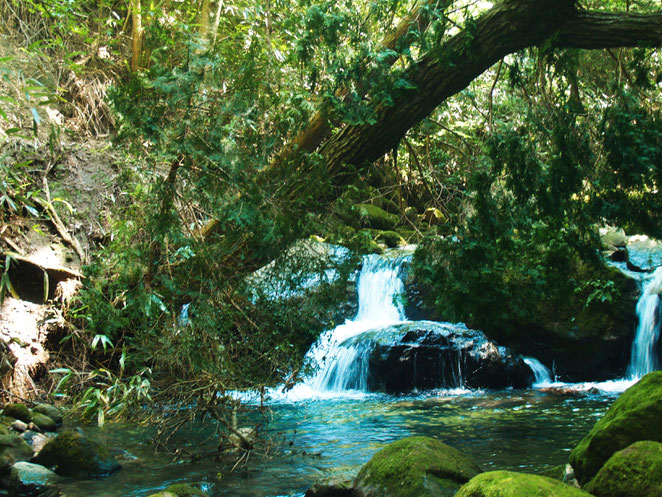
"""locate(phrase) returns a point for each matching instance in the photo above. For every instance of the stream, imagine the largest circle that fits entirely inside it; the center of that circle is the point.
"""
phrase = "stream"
(329, 424)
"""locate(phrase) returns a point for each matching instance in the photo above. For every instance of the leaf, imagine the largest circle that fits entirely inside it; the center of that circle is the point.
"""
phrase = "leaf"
(35, 116)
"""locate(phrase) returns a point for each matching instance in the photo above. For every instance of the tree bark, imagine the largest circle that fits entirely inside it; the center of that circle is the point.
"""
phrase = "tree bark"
(136, 34)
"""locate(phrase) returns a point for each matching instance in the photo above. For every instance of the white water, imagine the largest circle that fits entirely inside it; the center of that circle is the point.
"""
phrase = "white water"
(343, 367)
(540, 371)
(643, 356)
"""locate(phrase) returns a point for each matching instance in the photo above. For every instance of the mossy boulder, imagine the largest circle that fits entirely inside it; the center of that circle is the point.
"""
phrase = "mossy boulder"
(371, 216)
(415, 466)
(337, 487)
(18, 411)
(163, 494)
(635, 471)
(51, 411)
(13, 449)
(634, 416)
(74, 455)
(184, 490)
(392, 239)
(43, 422)
(511, 484)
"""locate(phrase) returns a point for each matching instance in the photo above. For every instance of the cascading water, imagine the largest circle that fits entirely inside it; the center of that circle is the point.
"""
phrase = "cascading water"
(643, 358)
(343, 365)
(540, 371)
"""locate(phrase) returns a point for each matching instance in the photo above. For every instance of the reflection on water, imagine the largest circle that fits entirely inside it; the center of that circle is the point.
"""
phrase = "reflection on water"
(518, 430)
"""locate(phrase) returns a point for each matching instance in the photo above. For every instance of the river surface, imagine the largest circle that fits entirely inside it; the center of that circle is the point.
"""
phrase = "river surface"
(522, 430)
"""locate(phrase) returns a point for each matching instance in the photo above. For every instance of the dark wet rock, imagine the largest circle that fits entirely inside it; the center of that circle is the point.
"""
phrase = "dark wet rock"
(28, 480)
(635, 471)
(72, 454)
(634, 416)
(425, 355)
(18, 411)
(184, 490)
(392, 239)
(511, 484)
(13, 449)
(43, 422)
(51, 411)
(415, 466)
(331, 488)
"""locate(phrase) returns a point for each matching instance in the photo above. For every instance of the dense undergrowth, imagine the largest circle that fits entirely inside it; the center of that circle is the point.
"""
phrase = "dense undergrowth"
(515, 172)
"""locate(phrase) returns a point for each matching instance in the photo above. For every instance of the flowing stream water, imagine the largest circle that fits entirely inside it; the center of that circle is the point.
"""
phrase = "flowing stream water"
(329, 425)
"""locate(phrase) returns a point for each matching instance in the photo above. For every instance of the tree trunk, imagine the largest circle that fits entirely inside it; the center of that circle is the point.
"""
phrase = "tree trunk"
(136, 34)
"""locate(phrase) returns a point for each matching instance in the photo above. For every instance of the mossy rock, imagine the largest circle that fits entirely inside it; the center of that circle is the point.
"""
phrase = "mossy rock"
(74, 455)
(13, 449)
(18, 411)
(556, 473)
(163, 494)
(26, 479)
(371, 216)
(511, 484)
(415, 466)
(392, 239)
(337, 487)
(634, 416)
(43, 422)
(184, 490)
(51, 411)
(635, 471)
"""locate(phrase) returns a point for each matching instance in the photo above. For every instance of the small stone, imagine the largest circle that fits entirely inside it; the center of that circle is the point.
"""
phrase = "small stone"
(183, 490)
(35, 440)
(19, 426)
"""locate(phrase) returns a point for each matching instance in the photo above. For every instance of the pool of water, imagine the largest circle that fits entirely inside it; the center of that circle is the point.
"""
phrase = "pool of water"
(522, 430)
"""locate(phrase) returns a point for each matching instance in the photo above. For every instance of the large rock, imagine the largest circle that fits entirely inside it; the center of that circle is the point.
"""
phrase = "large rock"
(635, 471)
(634, 416)
(425, 355)
(74, 455)
(13, 449)
(28, 480)
(331, 488)
(415, 467)
(510, 484)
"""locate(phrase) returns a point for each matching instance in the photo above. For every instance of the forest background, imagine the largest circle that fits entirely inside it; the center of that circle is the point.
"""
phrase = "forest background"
(496, 137)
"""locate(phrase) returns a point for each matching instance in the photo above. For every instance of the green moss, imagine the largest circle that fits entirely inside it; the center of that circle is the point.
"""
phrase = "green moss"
(163, 494)
(74, 455)
(392, 239)
(51, 411)
(44, 422)
(183, 490)
(634, 416)
(556, 473)
(18, 411)
(371, 216)
(13, 449)
(511, 484)
(635, 471)
(415, 466)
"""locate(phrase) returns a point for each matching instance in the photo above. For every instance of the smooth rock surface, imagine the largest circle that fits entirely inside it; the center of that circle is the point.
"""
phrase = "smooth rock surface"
(28, 480)
(13, 449)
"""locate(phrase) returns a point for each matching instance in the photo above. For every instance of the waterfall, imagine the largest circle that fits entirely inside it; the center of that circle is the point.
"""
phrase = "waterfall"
(540, 371)
(343, 364)
(643, 356)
